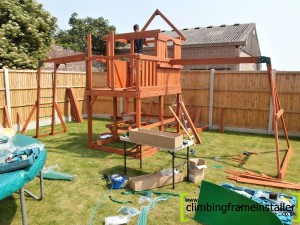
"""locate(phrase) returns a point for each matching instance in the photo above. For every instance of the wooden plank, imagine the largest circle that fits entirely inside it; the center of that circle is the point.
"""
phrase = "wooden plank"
(161, 112)
(20, 118)
(190, 122)
(29, 118)
(60, 117)
(152, 125)
(279, 114)
(135, 35)
(66, 59)
(74, 105)
(7, 117)
(89, 80)
(206, 61)
(178, 121)
(157, 12)
(285, 162)
(265, 183)
(138, 106)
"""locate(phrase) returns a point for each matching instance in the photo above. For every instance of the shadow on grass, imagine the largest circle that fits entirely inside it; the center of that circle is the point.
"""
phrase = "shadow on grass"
(8, 208)
(131, 171)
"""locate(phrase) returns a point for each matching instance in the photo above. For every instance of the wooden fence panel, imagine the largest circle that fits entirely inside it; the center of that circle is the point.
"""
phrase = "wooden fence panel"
(244, 96)
(288, 86)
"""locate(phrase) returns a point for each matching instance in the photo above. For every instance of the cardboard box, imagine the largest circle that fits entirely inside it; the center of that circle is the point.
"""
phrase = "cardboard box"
(149, 181)
(156, 138)
(195, 174)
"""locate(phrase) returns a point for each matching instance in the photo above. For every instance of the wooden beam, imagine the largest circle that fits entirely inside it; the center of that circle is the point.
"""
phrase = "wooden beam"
(7, 117)
(161, 111)
(74, 105)
(29, 118)
(157, 12)
(138, 110)
(178, 121)
(115, 119)
(275, 122)
(190, 122)
(279, 114)
(164, 37)
(89, 86)
(20, 119)
(265, 183)
(53, 97)
(66, 59)
(166, 121)
(135, 35)
(60, 117)
(205, 61)
(285, 162)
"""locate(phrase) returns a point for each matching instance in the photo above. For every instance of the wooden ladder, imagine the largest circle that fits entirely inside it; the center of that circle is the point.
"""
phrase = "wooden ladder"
(43, 105)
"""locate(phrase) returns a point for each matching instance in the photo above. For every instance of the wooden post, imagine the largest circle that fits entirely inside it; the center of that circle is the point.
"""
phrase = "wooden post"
(211, 98)
(131, 72)
(138, 110)
(37, 133)
(9, 124)
(161, 112)
(178, 97)
(115, 114)
(7, 93)
(54, 97)
(112, 62)
(89, 87)
(271, 80)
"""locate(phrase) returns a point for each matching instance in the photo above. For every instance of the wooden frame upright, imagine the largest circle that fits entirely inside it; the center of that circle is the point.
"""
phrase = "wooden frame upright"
(137, 77)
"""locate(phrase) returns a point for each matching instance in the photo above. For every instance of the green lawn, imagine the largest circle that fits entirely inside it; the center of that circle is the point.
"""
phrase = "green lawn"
(73, 202)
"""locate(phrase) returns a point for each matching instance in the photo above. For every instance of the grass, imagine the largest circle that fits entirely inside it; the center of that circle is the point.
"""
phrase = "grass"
(73, 202)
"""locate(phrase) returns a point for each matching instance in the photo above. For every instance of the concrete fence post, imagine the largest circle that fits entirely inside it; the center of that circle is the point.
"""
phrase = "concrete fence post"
(7, 92)
(211, 98)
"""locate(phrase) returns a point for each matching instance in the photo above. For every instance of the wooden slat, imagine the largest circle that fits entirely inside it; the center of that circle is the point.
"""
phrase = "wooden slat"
(7, 117)
(265, 183)
(157, 12)
(190, 122)
(66, 59)
(279, 114)
(74, 105)
(207, 61)
(20, 119)
(29, 118)
(178, 121)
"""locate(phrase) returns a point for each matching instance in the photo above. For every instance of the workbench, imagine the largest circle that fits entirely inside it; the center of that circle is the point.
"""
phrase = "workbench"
(172, 152)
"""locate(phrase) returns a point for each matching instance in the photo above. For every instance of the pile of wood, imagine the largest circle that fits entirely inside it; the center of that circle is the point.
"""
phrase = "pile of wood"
(76, 112)
(260, 179)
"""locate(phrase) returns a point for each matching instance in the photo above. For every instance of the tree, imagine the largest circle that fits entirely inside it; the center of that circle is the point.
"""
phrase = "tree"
(75, 38)
(26, 33)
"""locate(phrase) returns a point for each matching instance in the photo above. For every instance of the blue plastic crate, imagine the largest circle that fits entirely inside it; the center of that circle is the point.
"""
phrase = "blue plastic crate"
(18, 161)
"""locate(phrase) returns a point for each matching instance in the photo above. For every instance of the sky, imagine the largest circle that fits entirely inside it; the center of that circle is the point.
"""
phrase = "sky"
(277, 21)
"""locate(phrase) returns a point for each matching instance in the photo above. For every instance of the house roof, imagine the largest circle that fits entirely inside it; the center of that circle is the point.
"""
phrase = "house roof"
(212, 35)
